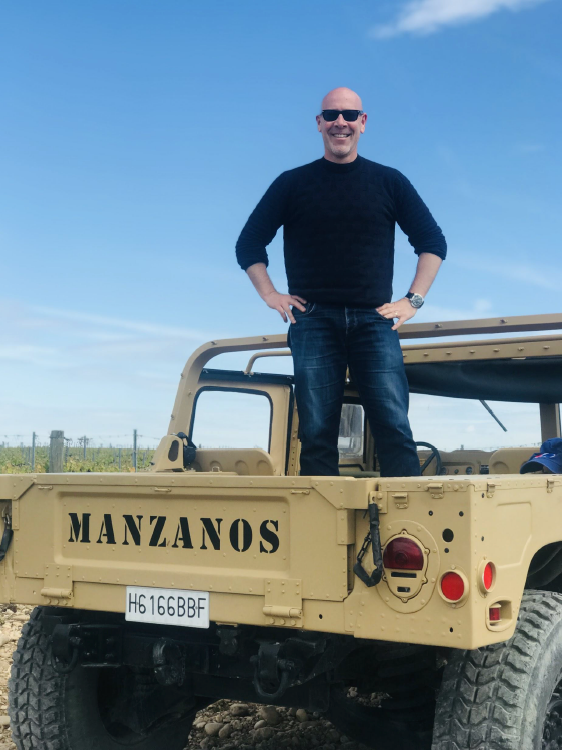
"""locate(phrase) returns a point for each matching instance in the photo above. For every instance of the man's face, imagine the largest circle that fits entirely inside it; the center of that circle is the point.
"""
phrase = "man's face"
(341, 137)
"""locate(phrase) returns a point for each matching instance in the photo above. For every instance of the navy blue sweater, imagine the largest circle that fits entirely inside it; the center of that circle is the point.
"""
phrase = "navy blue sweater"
(338, 228)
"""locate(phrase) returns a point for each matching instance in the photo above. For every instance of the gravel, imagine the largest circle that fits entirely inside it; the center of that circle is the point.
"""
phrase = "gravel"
(225, 725)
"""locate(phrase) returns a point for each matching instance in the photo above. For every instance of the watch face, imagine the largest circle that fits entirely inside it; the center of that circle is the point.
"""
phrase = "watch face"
(416, 300)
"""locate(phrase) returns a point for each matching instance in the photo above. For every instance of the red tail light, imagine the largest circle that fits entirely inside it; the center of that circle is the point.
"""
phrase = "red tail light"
(403, 554)
(495, 614)
(488, 576)
(452, 586)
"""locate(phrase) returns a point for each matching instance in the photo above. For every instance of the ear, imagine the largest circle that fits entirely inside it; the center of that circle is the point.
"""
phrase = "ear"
(363, 122)
(318, 122)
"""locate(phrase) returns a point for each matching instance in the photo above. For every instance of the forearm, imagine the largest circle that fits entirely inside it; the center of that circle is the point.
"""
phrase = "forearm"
(260, 279)
(426, 271)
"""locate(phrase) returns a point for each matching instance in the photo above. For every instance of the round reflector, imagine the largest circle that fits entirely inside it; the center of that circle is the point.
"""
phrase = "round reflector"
(452, 586)
(403, 554)
(488, 576)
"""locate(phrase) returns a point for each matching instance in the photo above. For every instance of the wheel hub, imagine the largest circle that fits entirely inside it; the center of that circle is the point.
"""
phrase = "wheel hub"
(552, 729)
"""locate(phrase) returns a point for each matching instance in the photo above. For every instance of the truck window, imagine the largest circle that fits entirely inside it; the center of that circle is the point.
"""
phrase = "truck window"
(231, 419)
(455, 423)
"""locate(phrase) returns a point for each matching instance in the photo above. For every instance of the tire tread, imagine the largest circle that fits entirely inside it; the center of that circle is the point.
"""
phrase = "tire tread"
(483, 691)
(34, 692)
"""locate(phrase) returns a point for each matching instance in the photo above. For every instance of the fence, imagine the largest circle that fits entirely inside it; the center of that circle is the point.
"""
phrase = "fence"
(57, 453)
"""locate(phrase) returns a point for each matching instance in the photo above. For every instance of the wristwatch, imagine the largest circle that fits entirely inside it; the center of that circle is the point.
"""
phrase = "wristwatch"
(416, 300)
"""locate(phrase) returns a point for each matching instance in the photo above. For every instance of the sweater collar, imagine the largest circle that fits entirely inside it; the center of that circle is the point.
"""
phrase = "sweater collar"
(335, 168)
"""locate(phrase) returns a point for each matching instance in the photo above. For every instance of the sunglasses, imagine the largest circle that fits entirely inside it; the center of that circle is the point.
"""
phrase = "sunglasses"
(349, 115)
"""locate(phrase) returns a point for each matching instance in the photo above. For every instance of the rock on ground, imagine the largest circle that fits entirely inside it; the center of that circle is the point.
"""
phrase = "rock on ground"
(225, 725)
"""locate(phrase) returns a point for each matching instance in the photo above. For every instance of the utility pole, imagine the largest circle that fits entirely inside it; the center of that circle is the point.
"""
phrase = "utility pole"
(85, 443)
(33, 442)
(120, 459)
(135, 450)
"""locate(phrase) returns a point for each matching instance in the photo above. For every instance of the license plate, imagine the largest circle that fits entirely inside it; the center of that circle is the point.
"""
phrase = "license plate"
(167, 606)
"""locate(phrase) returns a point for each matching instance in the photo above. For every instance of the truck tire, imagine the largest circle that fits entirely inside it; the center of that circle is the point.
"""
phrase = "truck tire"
(507, 696)
(52, 711)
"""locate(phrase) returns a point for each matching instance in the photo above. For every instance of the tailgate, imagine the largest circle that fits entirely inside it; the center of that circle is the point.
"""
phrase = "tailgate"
(259, 545)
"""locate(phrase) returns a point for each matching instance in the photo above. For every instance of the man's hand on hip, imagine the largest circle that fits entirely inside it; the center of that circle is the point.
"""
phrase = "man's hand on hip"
(401, 309)
(283, 303)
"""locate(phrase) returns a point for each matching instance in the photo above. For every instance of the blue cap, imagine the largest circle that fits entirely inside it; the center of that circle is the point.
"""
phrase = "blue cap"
(550, 455)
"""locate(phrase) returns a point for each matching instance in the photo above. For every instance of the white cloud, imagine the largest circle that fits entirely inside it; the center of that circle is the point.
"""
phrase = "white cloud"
(513, 270)
(135, 326)
(427, 16)
(30, 354)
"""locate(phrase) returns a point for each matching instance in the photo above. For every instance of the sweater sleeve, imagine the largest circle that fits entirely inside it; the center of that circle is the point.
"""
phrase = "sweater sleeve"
(262, 226)
(415, 220)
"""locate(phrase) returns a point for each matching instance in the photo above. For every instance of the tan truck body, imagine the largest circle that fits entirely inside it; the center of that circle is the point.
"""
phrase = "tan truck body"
(276, 549)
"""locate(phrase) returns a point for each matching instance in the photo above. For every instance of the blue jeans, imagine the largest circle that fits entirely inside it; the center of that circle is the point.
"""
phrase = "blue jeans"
(324, 341)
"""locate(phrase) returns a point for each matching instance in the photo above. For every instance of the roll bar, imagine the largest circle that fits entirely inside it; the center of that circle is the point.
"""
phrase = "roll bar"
(183, 405)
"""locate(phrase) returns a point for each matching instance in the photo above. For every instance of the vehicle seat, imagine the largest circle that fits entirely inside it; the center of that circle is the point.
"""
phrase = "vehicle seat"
(509, 460)
(353, 471)
(242, 461)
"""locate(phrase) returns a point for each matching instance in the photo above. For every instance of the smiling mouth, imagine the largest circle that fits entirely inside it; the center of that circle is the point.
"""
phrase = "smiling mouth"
(340, 135)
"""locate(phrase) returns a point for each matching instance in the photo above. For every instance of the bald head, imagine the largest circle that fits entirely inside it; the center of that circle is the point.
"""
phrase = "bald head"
(341, 135)
(341, 98)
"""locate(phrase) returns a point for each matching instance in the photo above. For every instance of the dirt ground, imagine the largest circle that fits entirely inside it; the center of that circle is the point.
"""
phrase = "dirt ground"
(225, 725)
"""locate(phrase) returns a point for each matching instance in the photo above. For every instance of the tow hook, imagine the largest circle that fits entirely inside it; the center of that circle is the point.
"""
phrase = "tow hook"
(93, 645)
(273, 675)
(169, 662)
(64, 649)
(374, 539)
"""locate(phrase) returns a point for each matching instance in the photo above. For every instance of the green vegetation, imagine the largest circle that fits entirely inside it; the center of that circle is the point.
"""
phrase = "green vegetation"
(17, 460)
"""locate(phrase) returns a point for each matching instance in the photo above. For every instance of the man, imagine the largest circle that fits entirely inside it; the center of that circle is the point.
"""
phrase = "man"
(339, 215)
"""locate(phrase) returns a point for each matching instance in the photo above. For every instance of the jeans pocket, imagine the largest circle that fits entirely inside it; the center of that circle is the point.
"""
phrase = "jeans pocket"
(381, 317)
(309, 307)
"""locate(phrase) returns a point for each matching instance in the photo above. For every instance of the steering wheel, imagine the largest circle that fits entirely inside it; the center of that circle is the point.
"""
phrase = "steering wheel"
(433, 455)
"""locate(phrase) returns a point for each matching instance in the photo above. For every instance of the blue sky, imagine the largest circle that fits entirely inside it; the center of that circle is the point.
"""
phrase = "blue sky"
(137, 137)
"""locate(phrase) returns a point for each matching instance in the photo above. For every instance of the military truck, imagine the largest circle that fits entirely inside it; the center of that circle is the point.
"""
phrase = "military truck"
(415, 612)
